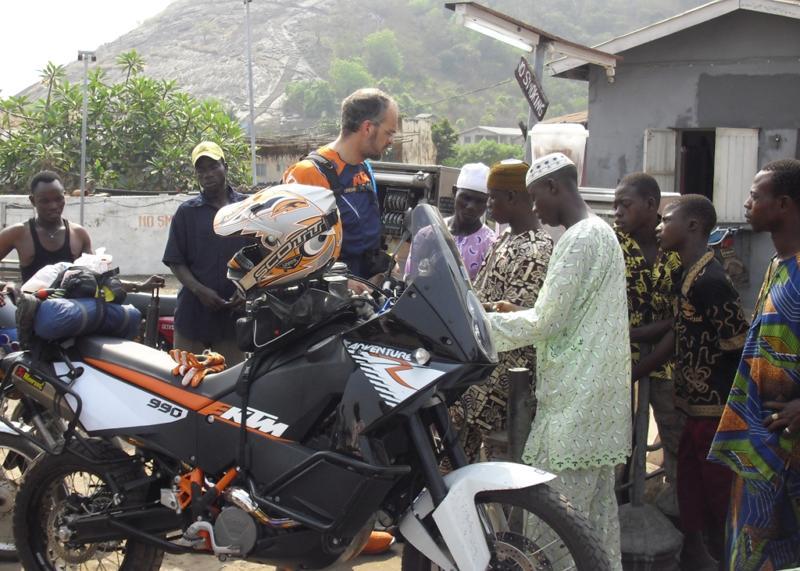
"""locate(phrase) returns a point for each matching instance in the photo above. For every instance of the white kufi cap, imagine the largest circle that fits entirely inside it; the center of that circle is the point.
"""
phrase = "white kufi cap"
(473, 177)
(545, 165)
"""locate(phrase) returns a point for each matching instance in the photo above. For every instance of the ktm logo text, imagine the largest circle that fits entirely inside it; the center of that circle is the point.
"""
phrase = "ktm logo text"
(255, 419)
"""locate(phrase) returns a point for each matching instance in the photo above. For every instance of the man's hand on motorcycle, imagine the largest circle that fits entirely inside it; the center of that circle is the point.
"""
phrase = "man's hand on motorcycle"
(9, 290)
(151, 283)
(357, 287)
(501, 307)
(236, 300)
(210, 299)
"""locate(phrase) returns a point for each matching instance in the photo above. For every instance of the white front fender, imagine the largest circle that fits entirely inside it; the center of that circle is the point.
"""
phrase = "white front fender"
(457, 517)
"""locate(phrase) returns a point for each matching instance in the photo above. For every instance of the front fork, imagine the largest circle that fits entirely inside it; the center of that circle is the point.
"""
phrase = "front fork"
(425, 446)
(463, 531)
(422, 439)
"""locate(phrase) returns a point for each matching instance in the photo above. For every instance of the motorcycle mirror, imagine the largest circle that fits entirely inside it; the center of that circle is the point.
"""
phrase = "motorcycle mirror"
(404, 236)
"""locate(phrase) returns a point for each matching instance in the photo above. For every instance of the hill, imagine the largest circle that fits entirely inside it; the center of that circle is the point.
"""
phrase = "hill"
(308, 53)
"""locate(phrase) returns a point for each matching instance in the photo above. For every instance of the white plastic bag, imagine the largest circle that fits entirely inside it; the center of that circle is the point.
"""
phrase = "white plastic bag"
(99, 262)
(44, 277)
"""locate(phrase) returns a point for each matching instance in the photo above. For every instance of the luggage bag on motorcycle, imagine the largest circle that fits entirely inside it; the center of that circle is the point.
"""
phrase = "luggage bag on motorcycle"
(61, 318)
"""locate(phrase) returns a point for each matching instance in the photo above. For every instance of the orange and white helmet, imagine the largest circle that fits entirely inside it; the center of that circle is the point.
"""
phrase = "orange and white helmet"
(298, 231)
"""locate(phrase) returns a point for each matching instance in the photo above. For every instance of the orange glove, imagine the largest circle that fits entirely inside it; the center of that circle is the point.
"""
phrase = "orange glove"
(194, 368)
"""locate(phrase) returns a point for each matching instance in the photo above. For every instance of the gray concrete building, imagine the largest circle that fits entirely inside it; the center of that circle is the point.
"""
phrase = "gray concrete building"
(701, 101)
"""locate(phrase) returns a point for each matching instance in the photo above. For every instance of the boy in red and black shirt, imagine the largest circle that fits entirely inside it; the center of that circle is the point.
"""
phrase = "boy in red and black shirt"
(709, 335)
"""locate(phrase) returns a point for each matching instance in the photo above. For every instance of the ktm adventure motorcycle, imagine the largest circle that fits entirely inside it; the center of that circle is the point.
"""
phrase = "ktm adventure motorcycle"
(339, 417)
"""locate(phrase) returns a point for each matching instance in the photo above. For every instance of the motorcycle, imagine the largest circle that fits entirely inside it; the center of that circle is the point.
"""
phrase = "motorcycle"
(338, 419)
(158, 311)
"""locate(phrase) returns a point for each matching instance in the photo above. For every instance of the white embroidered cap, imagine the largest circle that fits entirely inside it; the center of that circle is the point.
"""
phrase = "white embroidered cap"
(473, 177)
(545, 165)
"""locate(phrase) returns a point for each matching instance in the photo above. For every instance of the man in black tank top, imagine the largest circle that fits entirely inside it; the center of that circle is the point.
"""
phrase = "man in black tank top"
(47, 238)
(42, 256)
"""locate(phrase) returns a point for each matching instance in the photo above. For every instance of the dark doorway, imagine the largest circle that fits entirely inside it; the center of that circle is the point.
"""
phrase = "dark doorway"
(697, 163)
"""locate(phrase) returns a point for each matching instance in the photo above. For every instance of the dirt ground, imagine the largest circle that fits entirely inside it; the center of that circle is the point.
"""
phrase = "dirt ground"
(387, 562)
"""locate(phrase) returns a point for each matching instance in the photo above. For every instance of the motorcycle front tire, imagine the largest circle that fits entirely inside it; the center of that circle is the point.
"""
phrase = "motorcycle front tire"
(571, 528)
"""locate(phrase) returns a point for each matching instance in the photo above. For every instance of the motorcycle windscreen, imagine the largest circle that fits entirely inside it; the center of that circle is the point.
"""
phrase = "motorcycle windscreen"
(435, 271)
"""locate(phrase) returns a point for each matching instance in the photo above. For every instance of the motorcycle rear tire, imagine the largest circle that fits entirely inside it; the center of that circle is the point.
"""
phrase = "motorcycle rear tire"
(572, 528)
(31, 502)
(17, 454)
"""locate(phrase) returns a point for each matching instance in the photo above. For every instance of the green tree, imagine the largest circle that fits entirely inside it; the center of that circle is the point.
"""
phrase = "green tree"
(131, 62)
(140, 134)
(347, 75)
(444, 138)
(310, 98)
(486, 152)
(382, 54)
(50, 76)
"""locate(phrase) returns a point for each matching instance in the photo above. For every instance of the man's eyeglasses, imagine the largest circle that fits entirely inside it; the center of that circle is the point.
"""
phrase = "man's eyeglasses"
(386, 131)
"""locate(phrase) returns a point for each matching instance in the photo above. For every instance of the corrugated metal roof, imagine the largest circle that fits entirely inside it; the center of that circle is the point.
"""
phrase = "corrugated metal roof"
(575, 68)
(581, 117)
(511, 131)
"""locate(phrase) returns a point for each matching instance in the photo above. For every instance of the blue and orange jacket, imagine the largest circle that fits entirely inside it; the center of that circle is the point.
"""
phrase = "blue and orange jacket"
(358, 202)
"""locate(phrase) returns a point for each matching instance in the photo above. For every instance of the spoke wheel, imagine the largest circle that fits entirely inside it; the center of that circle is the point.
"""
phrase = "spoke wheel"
(532, 529)
(58, 489)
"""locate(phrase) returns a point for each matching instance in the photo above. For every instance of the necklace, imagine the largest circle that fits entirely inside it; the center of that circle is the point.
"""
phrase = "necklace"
(46, 231)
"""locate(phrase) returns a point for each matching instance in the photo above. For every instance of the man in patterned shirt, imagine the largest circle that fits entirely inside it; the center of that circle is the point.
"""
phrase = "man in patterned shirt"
(759, 434)
(652, 276)
(513, 270)
(579, 325)
(709, 335)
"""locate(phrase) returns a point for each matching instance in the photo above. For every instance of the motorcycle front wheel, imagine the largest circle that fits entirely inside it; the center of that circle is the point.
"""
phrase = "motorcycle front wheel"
(57, 488)
(16, 456)
(531, 529)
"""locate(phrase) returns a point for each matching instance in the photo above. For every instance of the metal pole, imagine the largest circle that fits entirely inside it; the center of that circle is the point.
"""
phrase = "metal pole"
(539, 51)
(250, 93)
(85, 57)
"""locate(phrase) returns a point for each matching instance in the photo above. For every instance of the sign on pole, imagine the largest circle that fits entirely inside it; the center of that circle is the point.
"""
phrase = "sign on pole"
(531, 88)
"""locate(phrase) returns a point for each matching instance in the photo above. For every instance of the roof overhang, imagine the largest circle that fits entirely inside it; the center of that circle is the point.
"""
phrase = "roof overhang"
(576, 67)
(527, 37)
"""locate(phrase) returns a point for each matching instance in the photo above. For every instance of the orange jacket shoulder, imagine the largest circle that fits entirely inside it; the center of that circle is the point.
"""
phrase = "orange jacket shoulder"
(305, 172)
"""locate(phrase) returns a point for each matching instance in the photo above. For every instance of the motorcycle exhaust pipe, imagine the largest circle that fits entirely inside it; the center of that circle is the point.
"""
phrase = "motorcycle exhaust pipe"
(242, 500)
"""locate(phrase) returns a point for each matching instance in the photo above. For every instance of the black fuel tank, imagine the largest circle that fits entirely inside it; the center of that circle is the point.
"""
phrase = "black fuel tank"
(286, 403)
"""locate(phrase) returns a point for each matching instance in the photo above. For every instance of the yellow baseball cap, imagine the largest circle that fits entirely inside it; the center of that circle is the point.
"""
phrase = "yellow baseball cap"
(207, 149)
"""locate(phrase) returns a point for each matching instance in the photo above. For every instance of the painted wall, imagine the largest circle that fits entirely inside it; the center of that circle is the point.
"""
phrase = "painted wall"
(740, 70)
(277, 163)
(133, 229)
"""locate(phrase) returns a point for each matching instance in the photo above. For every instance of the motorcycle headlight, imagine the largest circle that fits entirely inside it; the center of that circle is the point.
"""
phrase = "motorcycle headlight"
(480, 327)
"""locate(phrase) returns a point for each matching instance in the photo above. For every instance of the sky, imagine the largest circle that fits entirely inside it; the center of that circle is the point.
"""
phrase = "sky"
(38, 31)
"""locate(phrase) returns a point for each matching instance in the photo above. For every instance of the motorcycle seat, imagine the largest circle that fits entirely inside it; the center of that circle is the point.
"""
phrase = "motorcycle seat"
(116, 356)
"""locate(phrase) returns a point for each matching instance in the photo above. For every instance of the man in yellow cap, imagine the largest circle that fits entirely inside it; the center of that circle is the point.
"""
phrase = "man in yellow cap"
(198, 258)
(513, 270)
